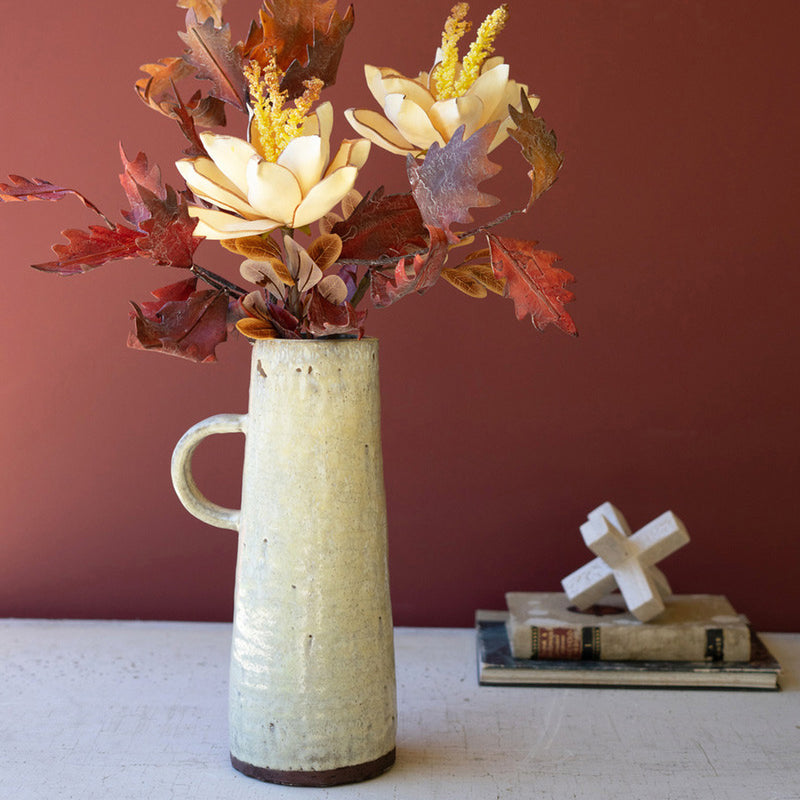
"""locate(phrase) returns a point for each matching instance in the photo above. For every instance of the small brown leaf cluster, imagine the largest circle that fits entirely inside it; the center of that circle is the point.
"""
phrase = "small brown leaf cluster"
(475, 276)
(297, 298)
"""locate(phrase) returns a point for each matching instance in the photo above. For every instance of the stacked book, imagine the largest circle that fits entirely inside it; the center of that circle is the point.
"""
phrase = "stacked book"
(699, 641)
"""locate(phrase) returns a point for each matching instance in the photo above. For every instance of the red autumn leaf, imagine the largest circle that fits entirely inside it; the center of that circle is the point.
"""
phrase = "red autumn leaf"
(216, 59)
(532, 282)
(159, 212)
(182, 290)
(387, 289)
(284, 322)
(326, 319)
(539, 147)
(89, 249)
(418, 276)
(23, 189)
(381, 225)
(169, 228)
(445, 184)
(137, 174)
(184, 322)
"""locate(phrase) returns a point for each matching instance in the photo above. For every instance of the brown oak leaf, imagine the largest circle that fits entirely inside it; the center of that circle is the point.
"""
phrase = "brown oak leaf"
(287, 28)
(205, 9)
(306, 36)
(206, 111)
(183, 115)
(477, 266)
(324, 55)
(538, 146)
(445, 184)
(211, 53)
(532, 282)
(158, 90)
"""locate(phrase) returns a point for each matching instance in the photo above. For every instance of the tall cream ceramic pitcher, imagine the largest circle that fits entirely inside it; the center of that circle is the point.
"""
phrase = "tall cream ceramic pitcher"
(312, 682)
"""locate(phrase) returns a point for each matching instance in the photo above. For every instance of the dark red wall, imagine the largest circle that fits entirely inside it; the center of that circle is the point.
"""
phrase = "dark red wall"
(676, 210)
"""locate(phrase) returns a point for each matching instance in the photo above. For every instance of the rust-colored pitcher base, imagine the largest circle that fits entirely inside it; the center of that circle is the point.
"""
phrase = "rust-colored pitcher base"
(317, 778)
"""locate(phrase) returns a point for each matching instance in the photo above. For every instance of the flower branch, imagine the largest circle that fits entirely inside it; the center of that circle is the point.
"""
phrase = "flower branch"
(280, 175)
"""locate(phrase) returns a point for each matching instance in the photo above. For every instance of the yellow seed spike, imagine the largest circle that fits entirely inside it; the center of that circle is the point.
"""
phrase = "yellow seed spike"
(276, 126)
(264, 107)
(481, 49)
(454, 29)
(292, 120)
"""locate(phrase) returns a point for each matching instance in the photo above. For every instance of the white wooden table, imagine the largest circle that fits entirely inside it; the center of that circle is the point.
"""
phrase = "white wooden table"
(137, 711)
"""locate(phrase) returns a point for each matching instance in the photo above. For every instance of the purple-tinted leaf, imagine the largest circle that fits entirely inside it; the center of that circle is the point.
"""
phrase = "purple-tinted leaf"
(445, 184)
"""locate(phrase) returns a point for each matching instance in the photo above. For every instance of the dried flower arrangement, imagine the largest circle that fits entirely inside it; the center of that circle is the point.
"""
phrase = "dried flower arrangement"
(259, 195)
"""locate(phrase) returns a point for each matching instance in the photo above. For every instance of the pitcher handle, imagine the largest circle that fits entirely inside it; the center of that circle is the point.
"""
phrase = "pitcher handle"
(195, 502)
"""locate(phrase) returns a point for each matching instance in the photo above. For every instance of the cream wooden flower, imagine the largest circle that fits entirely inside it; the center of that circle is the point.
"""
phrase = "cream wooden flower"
(415, 117)
(472, 91)
(253, 195)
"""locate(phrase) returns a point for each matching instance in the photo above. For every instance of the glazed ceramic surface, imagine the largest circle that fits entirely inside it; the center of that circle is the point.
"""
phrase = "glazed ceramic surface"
(312, 690)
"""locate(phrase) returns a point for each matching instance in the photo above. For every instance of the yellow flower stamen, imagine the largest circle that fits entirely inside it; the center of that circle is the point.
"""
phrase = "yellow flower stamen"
(452, 78)
(454, 30)
(275, 125)
(481, 48)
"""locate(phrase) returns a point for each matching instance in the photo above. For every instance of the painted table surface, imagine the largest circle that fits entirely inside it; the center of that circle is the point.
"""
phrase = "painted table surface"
(134, 710)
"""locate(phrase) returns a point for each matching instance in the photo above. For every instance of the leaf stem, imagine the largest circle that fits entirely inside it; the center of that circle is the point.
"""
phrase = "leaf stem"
(217, 281)
(384, 261)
